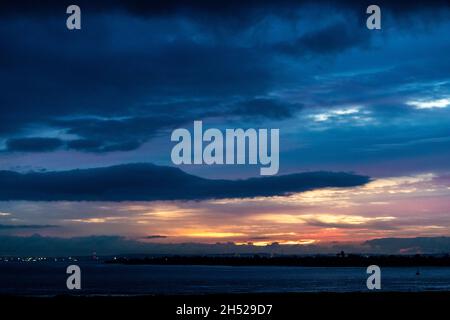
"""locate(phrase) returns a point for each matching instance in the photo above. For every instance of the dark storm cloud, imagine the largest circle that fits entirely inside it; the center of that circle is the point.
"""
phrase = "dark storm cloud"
(329, 40)
(84, 145)
(87, 145)
(232, 9)
(140, 68)
(60, 84)
(265, 108)
(99, 135)
(33, 144)
(129, 133)
(256, 7)
(150, 182)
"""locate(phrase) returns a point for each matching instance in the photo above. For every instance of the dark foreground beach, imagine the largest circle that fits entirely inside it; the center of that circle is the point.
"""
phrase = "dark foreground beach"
(283, 306)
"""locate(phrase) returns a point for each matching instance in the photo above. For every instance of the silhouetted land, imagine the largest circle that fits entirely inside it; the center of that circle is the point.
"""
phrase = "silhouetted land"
(340, 260)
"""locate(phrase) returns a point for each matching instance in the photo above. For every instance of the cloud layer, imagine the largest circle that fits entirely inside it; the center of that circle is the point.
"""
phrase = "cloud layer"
(114, 245)
(139, 69)
(346, 99)
(151, 183)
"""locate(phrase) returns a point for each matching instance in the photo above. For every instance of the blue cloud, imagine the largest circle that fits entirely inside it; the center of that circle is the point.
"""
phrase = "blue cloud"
(139, 69)
(150, 183)
(35, 144)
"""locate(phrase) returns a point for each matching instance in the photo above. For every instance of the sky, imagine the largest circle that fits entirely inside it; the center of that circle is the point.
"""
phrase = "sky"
(86, 119)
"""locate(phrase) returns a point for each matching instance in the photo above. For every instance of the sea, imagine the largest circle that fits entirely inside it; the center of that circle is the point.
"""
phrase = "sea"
(49, 279)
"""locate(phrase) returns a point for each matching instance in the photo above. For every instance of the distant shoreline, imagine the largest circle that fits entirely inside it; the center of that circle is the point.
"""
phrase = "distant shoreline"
(351, 260)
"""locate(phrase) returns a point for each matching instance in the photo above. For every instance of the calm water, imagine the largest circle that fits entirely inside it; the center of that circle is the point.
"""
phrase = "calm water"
(50, 278)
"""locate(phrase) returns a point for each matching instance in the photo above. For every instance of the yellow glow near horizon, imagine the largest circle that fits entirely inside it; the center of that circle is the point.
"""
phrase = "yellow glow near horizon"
(211, 234)
(280, 242)
(323, 215)
(300, 242)
(324, 218)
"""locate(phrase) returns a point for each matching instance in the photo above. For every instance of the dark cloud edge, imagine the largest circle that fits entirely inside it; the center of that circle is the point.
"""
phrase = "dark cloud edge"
(149, 182)
(26, 226)
(116, 245)
(201, 7)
